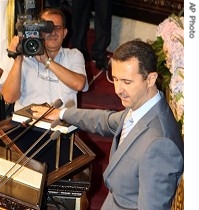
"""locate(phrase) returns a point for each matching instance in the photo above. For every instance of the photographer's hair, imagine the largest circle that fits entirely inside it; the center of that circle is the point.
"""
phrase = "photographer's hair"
(142, 51)
(54, 11)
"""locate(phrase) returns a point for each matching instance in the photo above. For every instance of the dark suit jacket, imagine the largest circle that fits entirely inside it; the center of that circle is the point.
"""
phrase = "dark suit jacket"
(145, 169)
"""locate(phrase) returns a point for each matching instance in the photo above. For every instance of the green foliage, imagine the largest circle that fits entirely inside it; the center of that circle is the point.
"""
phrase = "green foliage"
(163, 72)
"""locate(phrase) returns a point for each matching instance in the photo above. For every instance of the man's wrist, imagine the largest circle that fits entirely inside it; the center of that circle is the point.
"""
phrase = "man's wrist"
(48, 63)
(12, 54)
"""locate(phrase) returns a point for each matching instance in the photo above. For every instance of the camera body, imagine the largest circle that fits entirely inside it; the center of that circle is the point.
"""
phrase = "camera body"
(29, 29)
(31, 41)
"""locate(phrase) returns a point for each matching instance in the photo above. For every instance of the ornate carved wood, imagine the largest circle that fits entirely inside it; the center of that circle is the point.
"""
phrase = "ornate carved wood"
(151, 11)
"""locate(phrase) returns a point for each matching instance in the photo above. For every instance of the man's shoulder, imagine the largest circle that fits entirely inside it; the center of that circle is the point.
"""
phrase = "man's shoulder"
(71, 51)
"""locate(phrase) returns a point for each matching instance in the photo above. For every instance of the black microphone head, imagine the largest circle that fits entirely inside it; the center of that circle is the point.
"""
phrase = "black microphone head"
(55, 123)
(26, 123)
(58, 103)
(55, 134)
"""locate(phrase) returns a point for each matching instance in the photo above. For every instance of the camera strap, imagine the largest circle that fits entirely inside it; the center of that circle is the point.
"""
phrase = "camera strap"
(12, 54)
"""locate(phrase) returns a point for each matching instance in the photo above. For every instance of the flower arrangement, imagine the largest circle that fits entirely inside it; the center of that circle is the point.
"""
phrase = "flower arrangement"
(169, 47)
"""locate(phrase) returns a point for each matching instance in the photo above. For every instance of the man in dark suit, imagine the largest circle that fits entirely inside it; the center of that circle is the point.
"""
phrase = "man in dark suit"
(146, 166)
(81, 13)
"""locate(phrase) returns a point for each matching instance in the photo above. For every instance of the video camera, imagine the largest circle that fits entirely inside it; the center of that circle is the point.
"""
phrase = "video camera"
(29, 30)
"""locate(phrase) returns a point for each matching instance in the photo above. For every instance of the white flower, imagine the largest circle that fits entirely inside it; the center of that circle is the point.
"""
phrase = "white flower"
(172, 32)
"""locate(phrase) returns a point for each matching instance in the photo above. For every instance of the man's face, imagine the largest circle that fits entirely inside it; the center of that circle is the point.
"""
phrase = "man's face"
(53, 40)
(129, 85)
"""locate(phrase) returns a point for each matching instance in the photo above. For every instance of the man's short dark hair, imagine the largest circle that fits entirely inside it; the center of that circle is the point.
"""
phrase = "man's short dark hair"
(54, 11)
(140, 50)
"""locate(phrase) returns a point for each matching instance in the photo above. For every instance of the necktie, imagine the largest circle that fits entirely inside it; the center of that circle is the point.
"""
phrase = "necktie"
(127, 126)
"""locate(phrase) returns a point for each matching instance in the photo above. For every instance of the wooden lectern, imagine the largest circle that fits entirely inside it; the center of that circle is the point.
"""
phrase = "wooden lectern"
(17, 195)
(69, 165)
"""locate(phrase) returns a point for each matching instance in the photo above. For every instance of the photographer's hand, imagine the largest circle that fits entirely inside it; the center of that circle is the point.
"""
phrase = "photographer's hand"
(42, 58)
(13, 44)
(12, 49)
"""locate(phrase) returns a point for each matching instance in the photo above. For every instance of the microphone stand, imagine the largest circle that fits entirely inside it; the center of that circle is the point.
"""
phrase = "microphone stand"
(57, 104)
(53, 136)
(23, 124)
(54, 124)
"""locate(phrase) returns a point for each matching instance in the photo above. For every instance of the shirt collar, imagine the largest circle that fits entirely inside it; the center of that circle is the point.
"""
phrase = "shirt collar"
(140, 112)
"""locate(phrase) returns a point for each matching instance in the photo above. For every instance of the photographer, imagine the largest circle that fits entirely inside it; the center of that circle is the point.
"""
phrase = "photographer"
(58, 73)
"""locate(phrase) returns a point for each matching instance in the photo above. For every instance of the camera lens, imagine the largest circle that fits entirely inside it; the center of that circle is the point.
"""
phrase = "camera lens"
(33, 46)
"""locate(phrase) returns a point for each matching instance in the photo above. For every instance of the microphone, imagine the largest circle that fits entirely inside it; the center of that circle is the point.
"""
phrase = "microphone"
(23, 124)
(53, 124)
(58, 103)
(53, 136)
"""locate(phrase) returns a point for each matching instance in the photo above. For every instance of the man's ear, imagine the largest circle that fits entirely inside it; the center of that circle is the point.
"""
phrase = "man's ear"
(1, 72)
(65, 32)
(152, 77)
